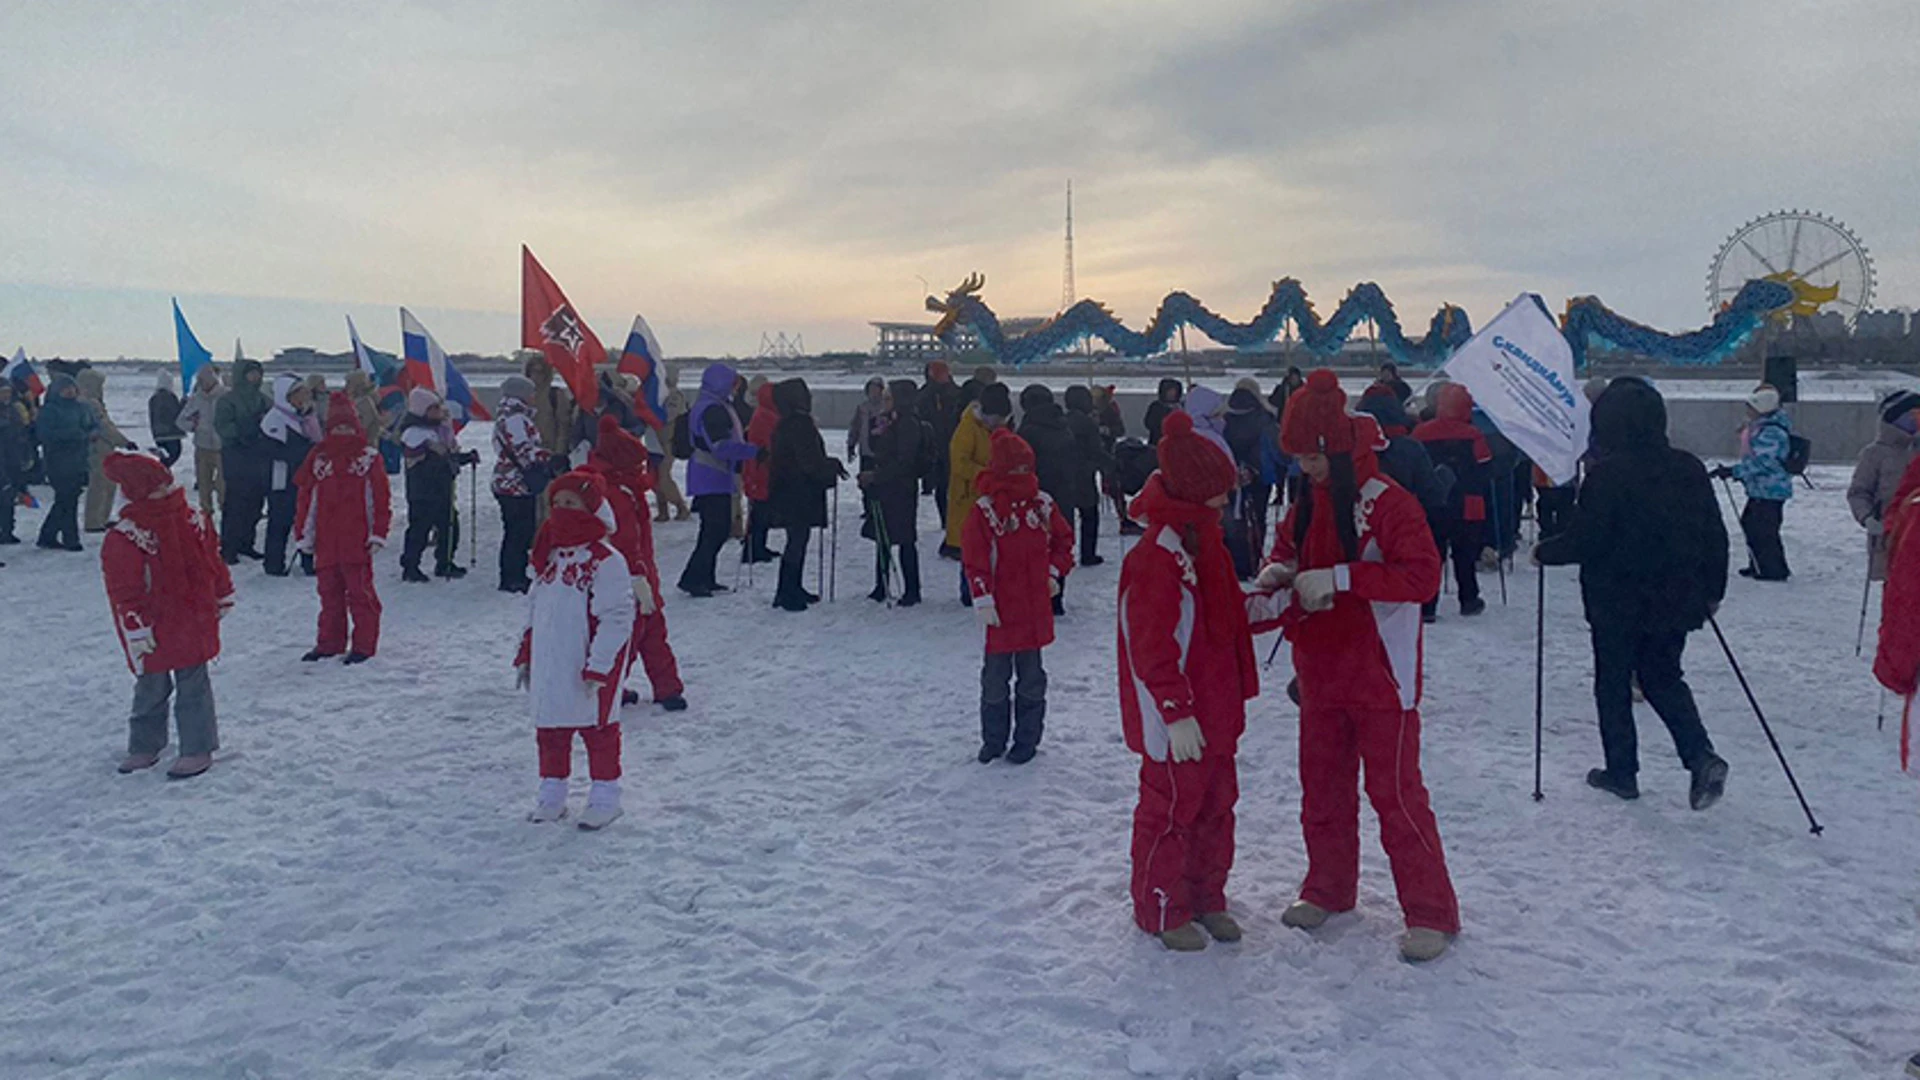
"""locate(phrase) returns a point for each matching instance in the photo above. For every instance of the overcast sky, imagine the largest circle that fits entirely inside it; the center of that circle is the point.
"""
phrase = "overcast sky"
(735, 168)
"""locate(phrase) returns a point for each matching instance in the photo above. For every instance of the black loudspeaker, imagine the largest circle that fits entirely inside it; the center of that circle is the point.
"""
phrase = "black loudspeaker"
(1783, 374)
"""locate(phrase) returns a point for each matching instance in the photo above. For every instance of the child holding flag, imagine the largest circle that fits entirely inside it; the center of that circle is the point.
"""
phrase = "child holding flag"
(345, 511)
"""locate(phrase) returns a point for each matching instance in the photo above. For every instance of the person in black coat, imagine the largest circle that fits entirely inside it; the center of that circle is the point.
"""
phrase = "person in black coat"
(1057, 459)
(65, 429)
(16, 458)
(163, 420)
(938, 404)
(1095, 462)
(1652, 550)
(799, 472)
(1254, 437)
(1405, 461)
(901, 443)
(1169, 398)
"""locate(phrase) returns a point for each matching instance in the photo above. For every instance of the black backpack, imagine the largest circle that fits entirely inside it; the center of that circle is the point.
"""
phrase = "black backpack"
(683, 437)
(1799, 455)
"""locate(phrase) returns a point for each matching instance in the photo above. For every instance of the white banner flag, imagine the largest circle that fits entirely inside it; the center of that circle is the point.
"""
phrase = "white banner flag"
(1520, 370)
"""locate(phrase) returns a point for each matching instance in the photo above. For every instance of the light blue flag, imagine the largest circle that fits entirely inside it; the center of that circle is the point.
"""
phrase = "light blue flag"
(193, 355)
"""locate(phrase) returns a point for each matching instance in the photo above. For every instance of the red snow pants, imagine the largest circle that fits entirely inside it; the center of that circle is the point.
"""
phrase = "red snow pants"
(650, 642)
(1183, 839)
(1333, 744)
(603, 751)
(346, 589)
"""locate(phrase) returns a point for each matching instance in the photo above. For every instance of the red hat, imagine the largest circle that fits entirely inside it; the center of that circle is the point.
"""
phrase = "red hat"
(588, 485)
(617, 447)
(138, 475)
(1011, 454)
(1317, 420)
(342, 417)
(1192, 467)
(1453, 402)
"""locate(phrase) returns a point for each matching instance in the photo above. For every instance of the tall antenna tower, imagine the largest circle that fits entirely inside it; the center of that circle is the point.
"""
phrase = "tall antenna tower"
(1068, 294)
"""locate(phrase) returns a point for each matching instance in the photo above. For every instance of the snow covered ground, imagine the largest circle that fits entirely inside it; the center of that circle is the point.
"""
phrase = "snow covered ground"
(815, 880)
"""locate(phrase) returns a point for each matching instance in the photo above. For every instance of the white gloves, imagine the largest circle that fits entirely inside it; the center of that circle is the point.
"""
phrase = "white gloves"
(1053, 585)
(1186, 740)
(643, 596)
(139, 647)
(1265, 607)
(1274, 576)
(375, 543)
(523, 676)
(986, 613)
(1315, 588)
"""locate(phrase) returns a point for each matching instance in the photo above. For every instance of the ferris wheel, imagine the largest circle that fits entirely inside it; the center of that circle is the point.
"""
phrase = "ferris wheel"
(1824, 263)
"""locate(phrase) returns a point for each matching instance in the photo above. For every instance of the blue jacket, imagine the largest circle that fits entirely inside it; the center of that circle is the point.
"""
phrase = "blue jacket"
(1763, 463)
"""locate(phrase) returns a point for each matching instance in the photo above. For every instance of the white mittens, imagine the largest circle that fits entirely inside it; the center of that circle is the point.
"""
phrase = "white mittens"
(1053, 585)
(643, 596)
(139, 647)
(1315, 588)
(1186, 740)
(986, 613)
(375, 543)
(523, 675)
(1265, 607)
(1274, 576)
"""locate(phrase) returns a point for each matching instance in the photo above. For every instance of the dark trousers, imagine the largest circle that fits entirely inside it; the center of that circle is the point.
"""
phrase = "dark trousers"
(9, 501)
(169, 451)
(790, 594)
(516, 536)
(1006, 711)
(1088, 518)
(1554, 507)
(909, 562)
(280, 510)
(240, 516)
(428, 523)
(1767, 556)
(1460, 541)
(1619, 654)
(939, 483)
(759, 524)
(716, 525)
(62, 525)
(1246, 529)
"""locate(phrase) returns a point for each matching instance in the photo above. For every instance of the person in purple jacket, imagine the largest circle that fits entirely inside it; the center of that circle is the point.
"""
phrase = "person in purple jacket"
(720, 448)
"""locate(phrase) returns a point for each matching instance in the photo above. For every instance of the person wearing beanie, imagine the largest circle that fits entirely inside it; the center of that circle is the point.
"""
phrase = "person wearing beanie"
(1765, 443)
(620, 458)
(1166, 400)
(1016, 551)
(64, 430)
(288, 433)
(720, 447)
(1059, 460)
(873, 402)
(1095, 471)
(522, 468)
(1652, 551)
(163, 419)
(939, 407)
(197, 418)
(433, 462)
(1351, 565)
(246, 465)
(799, 475)
(1186, 672)
(1458, 449)
(1877, 473)
(107, 437)
(667, 495)
(902, 455)
(1253, 437)
(968, 453)
(1397, 386)
(344, 514)
(754, 478)
(577, 646)
(168, 589)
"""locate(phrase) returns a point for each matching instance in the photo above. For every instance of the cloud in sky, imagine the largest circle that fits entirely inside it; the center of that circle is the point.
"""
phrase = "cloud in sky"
(737, 168)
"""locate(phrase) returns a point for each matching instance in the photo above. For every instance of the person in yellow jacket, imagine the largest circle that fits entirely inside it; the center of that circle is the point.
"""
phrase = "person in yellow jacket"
(970, 452)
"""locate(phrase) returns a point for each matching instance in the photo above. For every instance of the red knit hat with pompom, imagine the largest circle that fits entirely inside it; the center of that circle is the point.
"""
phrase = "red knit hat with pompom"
(1192, 468)
(342, 419)
(1317, 420)
(138, 475)
(587, 485)
(618, 447)
(1010, 453)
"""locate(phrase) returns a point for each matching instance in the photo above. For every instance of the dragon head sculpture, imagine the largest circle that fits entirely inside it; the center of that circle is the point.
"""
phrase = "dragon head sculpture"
(952, 307)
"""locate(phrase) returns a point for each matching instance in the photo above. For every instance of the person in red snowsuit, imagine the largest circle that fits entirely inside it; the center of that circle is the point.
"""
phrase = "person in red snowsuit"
(1359, 560)
(755, 483)
(169, 589)
(1897, 662)
(1186, 674)
(344, 514)
(621, 460)
(1016, 549)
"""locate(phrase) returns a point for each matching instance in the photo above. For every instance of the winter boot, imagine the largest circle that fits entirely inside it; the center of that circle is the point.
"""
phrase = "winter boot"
(413, 576)
(1092, 560)
(134, 763)
(1184, 938)
(1472, 607)
(1709, 782)
(1029, 725)
(676, 703)
(990, 753)
(603, 806)
(1302, 915)
(910, 575)
(629, 697)
(1221, 927)
(551, 805)
(357, 658)
(996, 727)
(188, 766)
(1020, 754)
(316, 656)
(1419, 944)
(1628, 788)
(1913, 1066)
(450, 572)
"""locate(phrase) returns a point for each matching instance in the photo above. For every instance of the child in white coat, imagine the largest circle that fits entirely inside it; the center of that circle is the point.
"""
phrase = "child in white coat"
(576, 650)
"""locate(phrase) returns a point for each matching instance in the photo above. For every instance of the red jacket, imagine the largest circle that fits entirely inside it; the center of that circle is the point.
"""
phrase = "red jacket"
(754, 475)
(633, 529)
(1008, 558)
(146, 588)
(1452, 440)
(1171, 667)
(345, 504)
(1365, 651)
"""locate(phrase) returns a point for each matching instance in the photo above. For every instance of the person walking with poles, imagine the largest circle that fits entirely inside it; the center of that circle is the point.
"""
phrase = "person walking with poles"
(1647, 535)
(1765, 443)
(1877, 474)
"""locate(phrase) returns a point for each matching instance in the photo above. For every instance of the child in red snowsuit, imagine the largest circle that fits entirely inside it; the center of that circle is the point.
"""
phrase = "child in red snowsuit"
(1015, 550)
(1186, 674)
(344, 513)
(1357, 555)
(621, 460)
(1897, 662)
(169, 590)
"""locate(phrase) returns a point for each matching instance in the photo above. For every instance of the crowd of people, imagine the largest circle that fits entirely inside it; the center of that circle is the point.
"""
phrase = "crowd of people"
(1371, 502)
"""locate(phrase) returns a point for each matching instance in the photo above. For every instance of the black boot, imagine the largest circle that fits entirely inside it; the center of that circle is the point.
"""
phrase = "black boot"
(910, 574)
(788, 596)
(996, 726)
(1709, 782)
(1627, 788)
(1029, 724)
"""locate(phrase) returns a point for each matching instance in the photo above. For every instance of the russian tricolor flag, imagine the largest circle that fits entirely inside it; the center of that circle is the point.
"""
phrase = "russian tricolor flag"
(641, 358)
(20, 371)
(427, 365)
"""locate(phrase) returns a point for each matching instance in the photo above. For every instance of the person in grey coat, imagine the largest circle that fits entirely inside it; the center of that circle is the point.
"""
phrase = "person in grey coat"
(1876, 476)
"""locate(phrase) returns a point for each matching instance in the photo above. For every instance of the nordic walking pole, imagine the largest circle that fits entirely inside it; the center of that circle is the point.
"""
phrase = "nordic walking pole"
(1539, 683)
(1499, 542)
(1866, 596)
(1277, 639)
(473, 517)
(1764, 726)
(1880, 723)
(833, 542)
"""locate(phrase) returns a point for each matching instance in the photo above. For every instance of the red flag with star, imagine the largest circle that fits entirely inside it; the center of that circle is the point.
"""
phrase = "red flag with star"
(549, 323)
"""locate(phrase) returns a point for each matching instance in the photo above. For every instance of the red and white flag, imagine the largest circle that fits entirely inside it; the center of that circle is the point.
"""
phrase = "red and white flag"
(548, 322)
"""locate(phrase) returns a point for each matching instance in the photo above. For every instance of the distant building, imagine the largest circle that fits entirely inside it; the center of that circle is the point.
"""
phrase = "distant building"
(914, 343)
